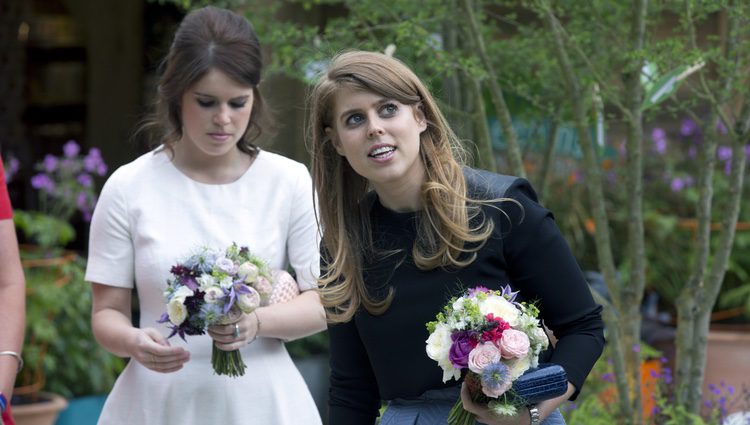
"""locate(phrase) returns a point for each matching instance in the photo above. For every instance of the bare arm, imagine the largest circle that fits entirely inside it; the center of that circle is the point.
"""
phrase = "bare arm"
(485, 417)
(300, 317)
(12, 305)
(111, 323)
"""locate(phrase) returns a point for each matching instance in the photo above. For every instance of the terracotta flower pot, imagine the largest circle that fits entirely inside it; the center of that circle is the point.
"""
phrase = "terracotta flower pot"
(728, 365)
(43, 412)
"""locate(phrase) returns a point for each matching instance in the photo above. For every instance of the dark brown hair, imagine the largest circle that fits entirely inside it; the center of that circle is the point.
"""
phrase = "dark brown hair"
(207, 38)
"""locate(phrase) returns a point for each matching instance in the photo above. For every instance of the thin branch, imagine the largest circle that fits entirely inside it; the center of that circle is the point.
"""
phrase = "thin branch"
(501, 108)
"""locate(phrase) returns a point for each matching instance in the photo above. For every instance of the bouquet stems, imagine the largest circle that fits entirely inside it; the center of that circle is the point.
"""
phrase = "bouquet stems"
(227, 362)
(460, 416)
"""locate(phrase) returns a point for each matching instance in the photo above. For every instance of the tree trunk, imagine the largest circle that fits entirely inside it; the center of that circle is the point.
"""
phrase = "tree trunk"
(515, 158)
(627, 326)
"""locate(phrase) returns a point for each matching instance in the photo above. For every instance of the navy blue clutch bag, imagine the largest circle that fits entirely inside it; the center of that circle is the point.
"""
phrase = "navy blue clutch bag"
(547, 381)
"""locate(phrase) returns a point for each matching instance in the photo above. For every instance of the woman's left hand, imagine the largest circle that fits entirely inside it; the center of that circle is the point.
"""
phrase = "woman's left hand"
(235, 335)
(484, 416)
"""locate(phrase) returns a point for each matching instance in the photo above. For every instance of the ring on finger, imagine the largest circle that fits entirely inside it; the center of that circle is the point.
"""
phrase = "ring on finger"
(236, 332)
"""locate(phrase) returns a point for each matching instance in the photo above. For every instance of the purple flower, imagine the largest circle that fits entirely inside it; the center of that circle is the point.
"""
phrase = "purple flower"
(688, 127)
(660, 146)
(692, 152)
(677, 184)
(94, 163)
(727, 167)
(43, 182)
(508, 293)
(495, 379)
(50, 163)
(82, 201)
(658, 134)
(747, 151)
(85, 180)
(71, 149)
(608, 377)
(474, 291)
(463, 343)
(724, 153)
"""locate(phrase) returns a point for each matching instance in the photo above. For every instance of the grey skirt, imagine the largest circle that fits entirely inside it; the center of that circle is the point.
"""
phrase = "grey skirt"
(432, 408)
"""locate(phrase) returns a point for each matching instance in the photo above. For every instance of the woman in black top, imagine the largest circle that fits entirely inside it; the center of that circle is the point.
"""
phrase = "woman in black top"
(406, 227)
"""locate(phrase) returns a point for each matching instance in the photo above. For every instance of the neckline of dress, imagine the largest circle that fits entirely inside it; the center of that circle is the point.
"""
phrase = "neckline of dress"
(244, 175)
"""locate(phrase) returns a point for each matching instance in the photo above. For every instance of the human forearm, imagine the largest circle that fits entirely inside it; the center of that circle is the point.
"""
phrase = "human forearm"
(546, 407)
(114, 331)
(11, 334)
(297, 318)
(12, 305)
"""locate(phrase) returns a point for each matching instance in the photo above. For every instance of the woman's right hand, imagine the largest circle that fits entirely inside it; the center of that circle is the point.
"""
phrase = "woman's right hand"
(153, 351)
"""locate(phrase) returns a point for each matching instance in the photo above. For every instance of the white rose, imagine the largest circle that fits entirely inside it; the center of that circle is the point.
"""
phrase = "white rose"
(213, 295)
(181, 293)
(249, 271)
(226, 265)
(500, 307)
(438, 347)
(518, 367)
(205, 281)
(177, 311)
(248, 302)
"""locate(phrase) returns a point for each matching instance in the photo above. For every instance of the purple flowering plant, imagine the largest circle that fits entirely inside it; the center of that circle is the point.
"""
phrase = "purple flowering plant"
(66, 186)
(594, 405)
(673, 161)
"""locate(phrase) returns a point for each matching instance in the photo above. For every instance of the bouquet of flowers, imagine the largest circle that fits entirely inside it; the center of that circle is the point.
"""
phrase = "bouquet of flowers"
(212, 288)
(494, 339)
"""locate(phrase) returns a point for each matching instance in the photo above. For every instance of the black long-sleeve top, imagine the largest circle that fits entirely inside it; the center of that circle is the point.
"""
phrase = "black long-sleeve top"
(383, 357)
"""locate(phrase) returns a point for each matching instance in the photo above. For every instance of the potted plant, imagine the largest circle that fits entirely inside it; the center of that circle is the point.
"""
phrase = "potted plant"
(62, 359)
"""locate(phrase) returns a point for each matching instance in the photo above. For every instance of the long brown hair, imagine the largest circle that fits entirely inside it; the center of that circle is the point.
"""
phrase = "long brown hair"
(207, 38)
(444, 228)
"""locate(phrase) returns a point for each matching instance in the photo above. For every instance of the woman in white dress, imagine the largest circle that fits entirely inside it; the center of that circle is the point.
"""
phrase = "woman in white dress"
(205, 185)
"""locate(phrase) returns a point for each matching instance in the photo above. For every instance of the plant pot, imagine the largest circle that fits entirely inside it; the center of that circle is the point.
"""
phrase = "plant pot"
(82, 411)
(728, 365)
(42, 412)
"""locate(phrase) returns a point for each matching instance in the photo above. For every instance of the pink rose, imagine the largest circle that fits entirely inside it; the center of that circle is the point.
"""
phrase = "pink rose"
(514, 344)
(483, 355)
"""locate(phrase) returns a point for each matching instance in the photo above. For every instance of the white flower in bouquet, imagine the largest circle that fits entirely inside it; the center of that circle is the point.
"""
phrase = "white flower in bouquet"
(438, 347)
(248, 272)
(213, 294)
(206, 281)
(225, 265)
(500, 307)
(177, 311)
(248, 301)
